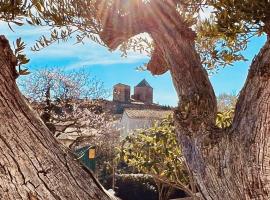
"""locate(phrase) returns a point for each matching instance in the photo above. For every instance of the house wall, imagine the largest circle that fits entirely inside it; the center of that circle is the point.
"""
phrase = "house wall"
(129, 125)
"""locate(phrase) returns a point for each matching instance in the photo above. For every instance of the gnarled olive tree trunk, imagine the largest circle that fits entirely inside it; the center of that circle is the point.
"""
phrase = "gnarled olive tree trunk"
(32, 164)
(232, 163)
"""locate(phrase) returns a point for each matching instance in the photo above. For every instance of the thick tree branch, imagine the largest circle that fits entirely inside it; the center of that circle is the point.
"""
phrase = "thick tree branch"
(175, 51)
(157, 65)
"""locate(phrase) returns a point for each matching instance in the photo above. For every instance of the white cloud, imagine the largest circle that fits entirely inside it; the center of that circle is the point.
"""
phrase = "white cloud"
(23, 31)
(79, 55)
(108, 60)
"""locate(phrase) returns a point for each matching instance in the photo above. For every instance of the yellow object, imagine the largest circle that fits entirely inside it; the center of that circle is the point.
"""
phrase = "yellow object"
(92, 153)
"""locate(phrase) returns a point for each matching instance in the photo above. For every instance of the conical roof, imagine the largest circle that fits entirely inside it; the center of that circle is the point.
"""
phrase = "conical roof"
(143, 83)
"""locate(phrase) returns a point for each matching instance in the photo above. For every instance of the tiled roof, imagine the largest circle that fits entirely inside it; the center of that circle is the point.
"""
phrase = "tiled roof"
(143, 83)
(148, 113)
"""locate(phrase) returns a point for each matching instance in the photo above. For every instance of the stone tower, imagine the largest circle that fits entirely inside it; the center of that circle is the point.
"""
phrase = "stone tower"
(121, 93)
(143, 92)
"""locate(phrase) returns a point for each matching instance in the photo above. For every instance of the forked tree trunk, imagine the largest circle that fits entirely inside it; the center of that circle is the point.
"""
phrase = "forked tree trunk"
(232, 163)
(33, 165)
(228, 164)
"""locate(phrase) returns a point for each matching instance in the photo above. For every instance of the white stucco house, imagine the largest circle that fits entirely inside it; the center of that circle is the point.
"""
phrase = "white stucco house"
(133, 119)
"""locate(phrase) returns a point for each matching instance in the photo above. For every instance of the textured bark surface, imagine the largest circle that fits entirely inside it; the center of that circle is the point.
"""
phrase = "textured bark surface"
(232, 163)
(32, 163)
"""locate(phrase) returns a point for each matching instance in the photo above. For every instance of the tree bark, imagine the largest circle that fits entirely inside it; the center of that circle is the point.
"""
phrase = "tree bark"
(231, 163)
(33, 165)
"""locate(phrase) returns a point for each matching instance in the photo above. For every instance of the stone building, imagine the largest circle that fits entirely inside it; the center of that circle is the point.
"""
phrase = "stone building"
(141, 99)
(121, 93)
(143, 92)
(133, 119)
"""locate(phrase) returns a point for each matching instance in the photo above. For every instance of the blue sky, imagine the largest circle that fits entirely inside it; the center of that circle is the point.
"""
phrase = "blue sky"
(111, 68)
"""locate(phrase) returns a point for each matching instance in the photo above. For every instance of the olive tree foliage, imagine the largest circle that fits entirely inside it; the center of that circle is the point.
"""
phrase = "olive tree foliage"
(230, 27)
(247, 16)
(217, 46)
(155, 152)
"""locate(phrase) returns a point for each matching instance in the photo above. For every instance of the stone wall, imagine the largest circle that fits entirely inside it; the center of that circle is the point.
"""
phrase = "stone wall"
(144, 94)
(121, 93)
